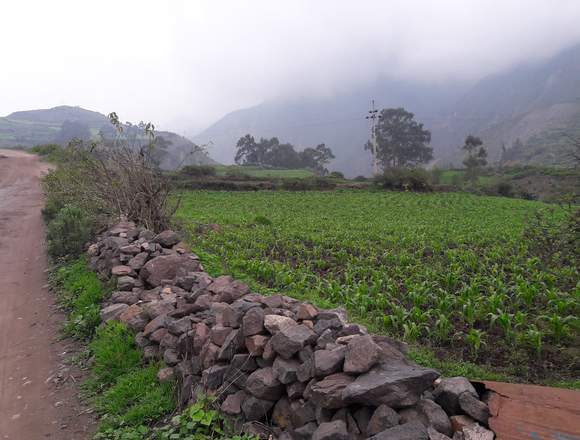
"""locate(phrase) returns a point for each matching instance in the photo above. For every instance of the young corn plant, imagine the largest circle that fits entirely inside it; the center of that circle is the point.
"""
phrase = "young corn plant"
(475, 340)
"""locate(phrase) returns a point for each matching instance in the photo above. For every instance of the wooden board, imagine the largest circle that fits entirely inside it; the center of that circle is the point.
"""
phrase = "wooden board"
(531, 412)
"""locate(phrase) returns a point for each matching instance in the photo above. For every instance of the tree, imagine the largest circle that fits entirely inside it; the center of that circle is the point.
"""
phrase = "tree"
(247, 150)
(271, 152)
(317, 158)
(251, 152)
(476, 155)
(402, 142)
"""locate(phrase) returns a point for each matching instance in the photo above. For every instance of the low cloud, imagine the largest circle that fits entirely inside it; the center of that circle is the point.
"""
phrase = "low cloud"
(183, 64)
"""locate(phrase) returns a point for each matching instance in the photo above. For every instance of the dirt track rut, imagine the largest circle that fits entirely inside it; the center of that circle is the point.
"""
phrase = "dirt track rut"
(38, 393)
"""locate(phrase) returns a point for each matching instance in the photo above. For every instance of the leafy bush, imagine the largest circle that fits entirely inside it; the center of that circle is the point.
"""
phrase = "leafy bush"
(556, 243)
(198, 170)
(399, 179)
(236, 174)
(505, 189)
(360, 179)
(336, 175)
(51, 152)
(68, 232)
(200, 421)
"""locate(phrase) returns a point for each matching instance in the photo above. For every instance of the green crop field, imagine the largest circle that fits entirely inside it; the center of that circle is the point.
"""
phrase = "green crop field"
(254, 171)
(449, 271)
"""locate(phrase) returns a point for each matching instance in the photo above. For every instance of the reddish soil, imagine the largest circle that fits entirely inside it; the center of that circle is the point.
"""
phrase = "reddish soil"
(38, 383)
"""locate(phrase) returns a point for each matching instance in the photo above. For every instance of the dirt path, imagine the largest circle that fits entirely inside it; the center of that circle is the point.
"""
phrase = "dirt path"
(38, 393)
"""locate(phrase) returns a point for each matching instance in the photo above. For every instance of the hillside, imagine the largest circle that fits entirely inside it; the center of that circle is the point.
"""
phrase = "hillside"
(61, 124)
(539, 104)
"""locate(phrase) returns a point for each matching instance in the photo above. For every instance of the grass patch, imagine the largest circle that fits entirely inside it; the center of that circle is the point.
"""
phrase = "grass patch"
(136, 398)
(80, 292)
(125, 392)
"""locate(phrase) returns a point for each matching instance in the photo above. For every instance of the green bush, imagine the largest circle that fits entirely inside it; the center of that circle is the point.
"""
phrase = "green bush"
(336, 175)
(505, 189)
(398, 179)
(51, 152)
(68, 232)
(198, 170)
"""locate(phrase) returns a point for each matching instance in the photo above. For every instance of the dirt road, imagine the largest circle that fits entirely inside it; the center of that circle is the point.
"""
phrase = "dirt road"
(38, 393)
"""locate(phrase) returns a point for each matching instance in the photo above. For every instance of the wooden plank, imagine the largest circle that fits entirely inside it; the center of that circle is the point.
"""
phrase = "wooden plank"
(531, 412)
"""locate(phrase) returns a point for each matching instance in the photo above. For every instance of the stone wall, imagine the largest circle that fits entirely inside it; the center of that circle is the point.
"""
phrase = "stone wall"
(304, 373)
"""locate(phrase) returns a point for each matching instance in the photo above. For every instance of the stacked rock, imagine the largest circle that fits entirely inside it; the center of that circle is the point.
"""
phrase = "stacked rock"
(307, 372)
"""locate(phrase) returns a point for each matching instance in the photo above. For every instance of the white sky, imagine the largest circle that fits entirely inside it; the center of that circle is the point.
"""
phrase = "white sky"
(183, 64)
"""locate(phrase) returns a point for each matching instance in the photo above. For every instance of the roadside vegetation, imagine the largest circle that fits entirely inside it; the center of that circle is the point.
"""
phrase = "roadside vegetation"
(123, 388)
(452, 272)
(92, 185)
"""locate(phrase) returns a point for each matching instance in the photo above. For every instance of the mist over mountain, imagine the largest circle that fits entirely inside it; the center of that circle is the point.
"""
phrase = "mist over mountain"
(529, 110)
(61, 124)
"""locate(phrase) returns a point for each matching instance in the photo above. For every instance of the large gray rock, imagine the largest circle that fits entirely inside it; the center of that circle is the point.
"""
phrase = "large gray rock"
(474, 407)
(263, 384)
(232, 405)
(449, 389)
(282, 413)
(253, 321)
(275, 323)
(436, 417)
(128, 298)
(166, 239)
(138, 261)
(361, 354)
(255, 408)
(478, 432)
(231, 345)
(408, 431)
(327, 362)
(285, 369)
(167, 267)
(227, 289)
(290, 340)
(134, 317)
(213, 377)
(397, 385)
(112, 312)
(383, 418)
(331, 431)
(329, 392)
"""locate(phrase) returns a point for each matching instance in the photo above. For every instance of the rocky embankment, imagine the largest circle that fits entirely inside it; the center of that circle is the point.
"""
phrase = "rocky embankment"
(278, 366)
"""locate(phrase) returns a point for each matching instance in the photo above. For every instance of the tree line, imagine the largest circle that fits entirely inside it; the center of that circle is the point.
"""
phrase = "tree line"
(272, 153)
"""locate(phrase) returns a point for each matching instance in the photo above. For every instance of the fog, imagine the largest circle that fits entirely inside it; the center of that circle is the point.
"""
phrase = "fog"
(183, 64)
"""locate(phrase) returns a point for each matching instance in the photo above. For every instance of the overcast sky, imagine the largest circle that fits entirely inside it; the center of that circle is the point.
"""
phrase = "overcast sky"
(183, 64)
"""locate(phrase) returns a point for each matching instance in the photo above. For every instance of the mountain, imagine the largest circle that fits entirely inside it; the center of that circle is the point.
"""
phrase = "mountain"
(530, 109)
(339, 121)
(61, 124)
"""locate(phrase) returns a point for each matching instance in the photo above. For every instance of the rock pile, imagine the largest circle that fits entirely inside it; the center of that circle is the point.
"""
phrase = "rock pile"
(306, 372)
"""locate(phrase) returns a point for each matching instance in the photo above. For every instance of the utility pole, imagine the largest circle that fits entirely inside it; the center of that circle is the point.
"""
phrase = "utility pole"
(373, 116)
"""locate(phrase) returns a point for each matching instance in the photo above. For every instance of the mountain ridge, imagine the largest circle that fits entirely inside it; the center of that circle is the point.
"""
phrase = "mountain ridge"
(537, 104)
(28, 128)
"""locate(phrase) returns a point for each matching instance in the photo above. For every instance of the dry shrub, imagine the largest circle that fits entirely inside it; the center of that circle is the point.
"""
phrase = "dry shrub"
(119, 178)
